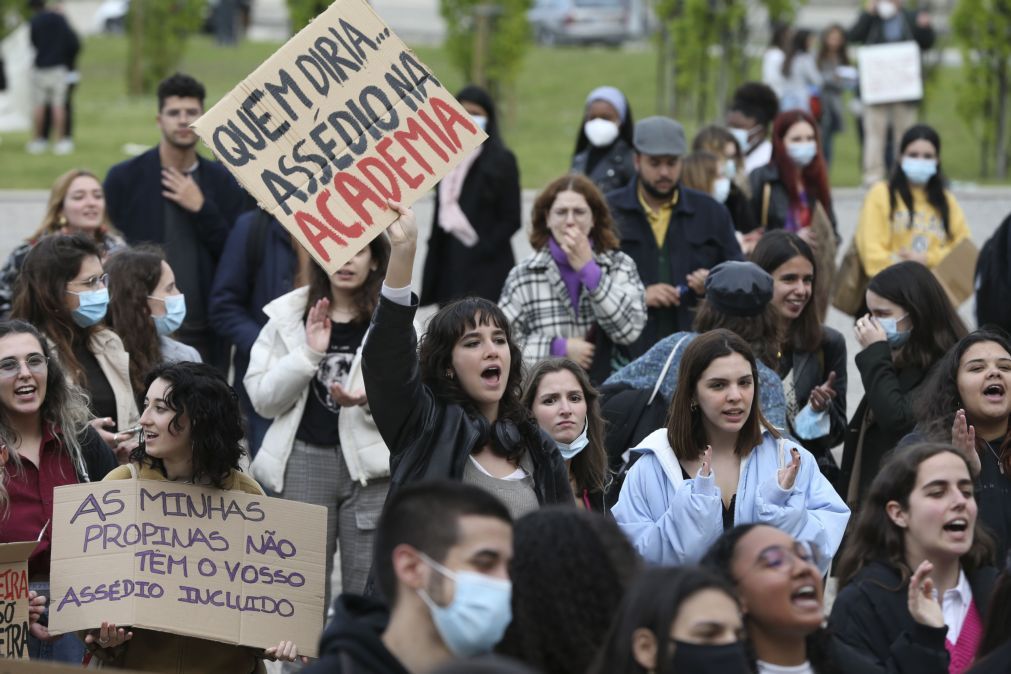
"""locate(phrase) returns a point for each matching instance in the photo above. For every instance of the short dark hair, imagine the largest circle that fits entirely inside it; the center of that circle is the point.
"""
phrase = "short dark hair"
(756, 100)
(201, 392)
(180, 85)
(425, 516)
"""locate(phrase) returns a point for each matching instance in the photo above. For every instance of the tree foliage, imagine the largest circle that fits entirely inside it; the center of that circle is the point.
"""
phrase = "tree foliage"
(158, 32)
(702, 52)
(301, 12)
(508, 40)
(982, 29)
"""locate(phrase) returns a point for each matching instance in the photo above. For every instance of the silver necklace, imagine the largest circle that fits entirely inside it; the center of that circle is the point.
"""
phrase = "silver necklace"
(997, 456)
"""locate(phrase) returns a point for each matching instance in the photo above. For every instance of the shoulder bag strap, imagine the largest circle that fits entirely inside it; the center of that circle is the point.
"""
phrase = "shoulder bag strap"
(663, 371)
(766, 197)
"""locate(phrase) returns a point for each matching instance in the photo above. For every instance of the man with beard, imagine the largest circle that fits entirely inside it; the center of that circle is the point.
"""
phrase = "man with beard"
(173, 197)
(674, 234)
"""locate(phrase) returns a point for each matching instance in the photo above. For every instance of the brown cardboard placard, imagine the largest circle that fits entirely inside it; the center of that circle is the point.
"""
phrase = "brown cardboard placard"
(14, 599)
(39, 667)
(340, 118)
(957, 271)
(191, 560)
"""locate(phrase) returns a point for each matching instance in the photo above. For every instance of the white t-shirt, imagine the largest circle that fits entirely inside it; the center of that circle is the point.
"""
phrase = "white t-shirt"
(759, 157)
(766, 668)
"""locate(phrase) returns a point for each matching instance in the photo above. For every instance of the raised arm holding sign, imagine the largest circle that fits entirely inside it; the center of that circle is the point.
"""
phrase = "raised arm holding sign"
(339, 120)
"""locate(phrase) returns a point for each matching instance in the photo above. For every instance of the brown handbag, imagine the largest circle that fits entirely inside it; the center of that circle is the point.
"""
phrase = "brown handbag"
(824, 258)
(850, 282)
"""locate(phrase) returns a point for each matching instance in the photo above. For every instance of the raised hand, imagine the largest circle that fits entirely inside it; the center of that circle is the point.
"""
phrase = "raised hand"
(580, 351)
(923, 604)
(108, 636)
(706, 469)
(317, 326)
(787, 475)
(821, 396)
(576, 247)
(963, 437)
(868, 331)
(346, 398)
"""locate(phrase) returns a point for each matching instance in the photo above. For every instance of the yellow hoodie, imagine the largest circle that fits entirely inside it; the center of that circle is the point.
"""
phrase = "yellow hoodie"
(880, 238)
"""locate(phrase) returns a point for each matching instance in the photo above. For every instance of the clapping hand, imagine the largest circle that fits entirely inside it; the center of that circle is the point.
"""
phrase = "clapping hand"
(923, 604)
(821, 396)
(788, 475)
(317, 326)
(963, 437)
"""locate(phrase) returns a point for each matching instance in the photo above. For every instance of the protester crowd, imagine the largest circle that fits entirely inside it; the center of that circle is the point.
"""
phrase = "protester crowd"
(628, 452)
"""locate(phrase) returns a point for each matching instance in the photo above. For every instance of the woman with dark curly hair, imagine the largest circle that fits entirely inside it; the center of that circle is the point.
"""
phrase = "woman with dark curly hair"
(305, 375)
(145, 307)
(565, 404)
(45, 442)
(62, 292)
(916, 576)
(453, 410)
(909, 325)
(679, 620)
(563, 602)
(191, 433)
(577, 296)
(967, 402)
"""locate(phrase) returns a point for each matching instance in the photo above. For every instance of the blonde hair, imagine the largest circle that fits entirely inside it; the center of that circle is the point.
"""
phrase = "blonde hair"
(54, 221)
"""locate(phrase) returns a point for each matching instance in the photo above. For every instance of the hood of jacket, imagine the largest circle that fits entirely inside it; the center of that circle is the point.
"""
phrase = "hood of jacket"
(356, 629)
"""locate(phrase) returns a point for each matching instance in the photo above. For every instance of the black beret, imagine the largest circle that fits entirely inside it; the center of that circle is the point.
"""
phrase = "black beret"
(738, 288)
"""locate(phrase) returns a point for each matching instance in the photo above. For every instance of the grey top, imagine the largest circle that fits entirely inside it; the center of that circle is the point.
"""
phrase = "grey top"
(517, 495)
(177, 352)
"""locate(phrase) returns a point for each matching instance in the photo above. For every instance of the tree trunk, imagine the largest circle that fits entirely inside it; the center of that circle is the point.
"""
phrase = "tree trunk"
(135, 69)
(1000, 140)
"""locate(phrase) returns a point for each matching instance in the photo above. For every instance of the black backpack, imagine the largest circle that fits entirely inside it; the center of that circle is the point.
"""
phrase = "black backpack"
(993, 280)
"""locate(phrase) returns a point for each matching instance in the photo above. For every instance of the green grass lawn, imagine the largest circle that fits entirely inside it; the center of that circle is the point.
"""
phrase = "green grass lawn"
(543, 117)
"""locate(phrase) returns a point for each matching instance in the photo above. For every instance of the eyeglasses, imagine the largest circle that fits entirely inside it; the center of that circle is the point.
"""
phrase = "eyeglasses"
(782, 558)
(11, 367)
(93, 283)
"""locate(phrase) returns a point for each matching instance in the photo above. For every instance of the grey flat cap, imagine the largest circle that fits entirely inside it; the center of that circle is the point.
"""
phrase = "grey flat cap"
(660, 136)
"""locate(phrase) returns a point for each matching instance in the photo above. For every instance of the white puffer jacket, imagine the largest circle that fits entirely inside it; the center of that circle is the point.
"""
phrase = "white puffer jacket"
(281, 367)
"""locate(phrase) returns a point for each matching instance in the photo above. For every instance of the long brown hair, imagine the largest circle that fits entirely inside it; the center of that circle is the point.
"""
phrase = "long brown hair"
(365, 296)
(814, 176)
(54, 221)
(134, 274)
(874, 536)
(603, 235)
(40, 298)
(775, 249)
(589, 467)
(686, 433)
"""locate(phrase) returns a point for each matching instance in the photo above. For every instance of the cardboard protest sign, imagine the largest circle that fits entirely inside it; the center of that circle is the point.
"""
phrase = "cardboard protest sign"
(14, 598)
(338, 120)
(890, 73)
(190, 560)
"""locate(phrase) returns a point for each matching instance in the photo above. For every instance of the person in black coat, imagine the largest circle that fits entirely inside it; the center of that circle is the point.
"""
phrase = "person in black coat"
(477, 210)
(173, 197)
(604, 151)
(813, 362)
(916, 575)
(908, 327)
(453, 411)
(676, 242)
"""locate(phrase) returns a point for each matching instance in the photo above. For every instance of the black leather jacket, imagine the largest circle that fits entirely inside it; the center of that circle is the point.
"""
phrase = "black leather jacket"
(430, 439)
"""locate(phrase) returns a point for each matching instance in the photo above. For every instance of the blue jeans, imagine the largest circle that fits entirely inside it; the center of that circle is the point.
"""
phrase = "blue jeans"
(67, 648)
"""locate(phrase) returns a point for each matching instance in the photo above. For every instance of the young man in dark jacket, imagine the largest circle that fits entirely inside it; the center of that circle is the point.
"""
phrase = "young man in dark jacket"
(674, 234)
(173, 197)
(441, 558)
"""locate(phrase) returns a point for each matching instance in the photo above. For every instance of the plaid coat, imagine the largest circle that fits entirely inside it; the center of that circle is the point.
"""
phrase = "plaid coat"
(538, 307)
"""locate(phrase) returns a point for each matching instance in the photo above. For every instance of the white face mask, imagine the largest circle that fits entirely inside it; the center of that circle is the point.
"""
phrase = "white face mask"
(570, 449)
(600, 132)
(887, 9)
(481, 121)
(730, 169)
(721, 189)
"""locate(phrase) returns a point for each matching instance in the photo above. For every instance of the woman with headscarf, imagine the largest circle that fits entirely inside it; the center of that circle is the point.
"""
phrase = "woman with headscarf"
(604, 151)
(477, 210)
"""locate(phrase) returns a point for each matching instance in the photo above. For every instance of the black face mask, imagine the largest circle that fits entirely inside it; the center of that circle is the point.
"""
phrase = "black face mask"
(710, 659)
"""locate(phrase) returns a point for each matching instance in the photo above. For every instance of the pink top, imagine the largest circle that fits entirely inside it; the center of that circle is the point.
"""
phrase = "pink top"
(964, 650)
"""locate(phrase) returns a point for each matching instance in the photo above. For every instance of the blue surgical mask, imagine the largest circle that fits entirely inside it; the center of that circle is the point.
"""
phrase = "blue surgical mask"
(896, 337)
(92, 305)
(809, 424)
(918, 171)
(721, 189)
(175, 314)
(477, 617)
(730, 169)
(480, 121)
(570, 449)
(743, 137)
(802, 154)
